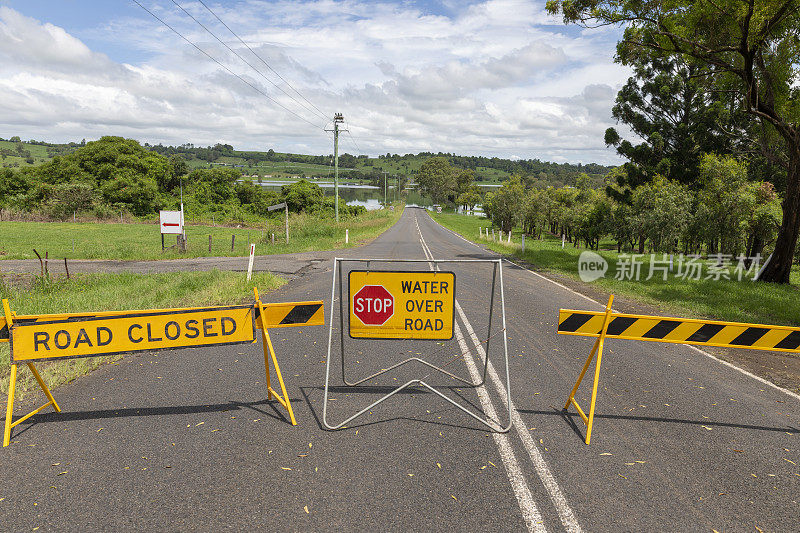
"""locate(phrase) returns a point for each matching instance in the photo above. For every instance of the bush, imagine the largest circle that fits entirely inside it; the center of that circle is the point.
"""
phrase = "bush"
(67, 198)
(303, 196)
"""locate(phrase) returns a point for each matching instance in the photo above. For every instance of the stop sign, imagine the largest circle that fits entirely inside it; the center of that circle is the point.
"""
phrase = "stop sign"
(373, 305)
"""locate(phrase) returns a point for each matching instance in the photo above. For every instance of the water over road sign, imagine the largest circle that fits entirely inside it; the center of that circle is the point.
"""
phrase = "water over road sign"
(402, 305)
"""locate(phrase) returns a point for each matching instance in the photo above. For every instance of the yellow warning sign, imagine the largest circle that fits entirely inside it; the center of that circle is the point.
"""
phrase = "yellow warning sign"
(131, 332)
(402, 305)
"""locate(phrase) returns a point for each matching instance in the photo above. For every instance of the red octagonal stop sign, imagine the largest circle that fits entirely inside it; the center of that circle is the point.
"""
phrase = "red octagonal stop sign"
(373, 305)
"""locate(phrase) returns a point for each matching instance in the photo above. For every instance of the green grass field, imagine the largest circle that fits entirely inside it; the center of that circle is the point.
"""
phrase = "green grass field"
(38, 152)
(141, 241)
(740, 301)
(111, 292)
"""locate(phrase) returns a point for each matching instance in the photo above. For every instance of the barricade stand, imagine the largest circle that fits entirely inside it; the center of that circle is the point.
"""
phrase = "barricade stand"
(54, 337)
(269, 352)
(611, 325)
(597, 349)
(497, 273)
(12, 385)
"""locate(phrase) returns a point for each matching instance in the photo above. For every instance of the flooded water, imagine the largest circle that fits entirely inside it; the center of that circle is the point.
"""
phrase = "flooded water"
(368, 196)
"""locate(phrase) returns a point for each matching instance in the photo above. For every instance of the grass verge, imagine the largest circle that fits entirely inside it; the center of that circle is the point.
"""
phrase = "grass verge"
(738, 301)
(142, 241)
(111, 292)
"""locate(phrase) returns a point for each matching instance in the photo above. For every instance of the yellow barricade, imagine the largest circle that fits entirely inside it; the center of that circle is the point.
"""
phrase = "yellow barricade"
(36, 338)
(609, 325)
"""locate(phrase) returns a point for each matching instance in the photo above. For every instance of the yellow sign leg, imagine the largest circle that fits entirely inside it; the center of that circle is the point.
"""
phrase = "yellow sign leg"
(12, 385)
(269, 351)
(264, 342)
(597, 349)
(286, 403)
(44, 387)
(594, 390)
(583, 372)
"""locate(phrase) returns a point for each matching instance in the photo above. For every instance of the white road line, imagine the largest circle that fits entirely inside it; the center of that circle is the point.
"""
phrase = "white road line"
(568, 518)
(530, 512)
(695, 348)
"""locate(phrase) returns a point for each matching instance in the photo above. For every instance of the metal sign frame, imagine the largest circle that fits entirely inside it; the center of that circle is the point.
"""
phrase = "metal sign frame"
(497, 272)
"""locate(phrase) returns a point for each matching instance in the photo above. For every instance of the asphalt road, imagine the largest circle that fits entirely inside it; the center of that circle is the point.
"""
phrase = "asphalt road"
(184, 440)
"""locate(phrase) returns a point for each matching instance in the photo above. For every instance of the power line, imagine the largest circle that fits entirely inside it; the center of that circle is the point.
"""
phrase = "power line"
(262, 60)
(268, 97)
(358, 150)
(234, 52)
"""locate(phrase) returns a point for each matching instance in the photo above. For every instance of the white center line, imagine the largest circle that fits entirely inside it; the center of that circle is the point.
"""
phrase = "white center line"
(530, 512)
(548, 480)
(565, 513)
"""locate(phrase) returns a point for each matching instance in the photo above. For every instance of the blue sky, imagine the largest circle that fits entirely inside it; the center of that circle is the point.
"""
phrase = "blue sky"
(496, 77)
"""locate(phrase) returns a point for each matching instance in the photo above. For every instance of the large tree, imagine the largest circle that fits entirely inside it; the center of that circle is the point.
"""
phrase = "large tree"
(666, 105)
(437, 178)
(751, 47)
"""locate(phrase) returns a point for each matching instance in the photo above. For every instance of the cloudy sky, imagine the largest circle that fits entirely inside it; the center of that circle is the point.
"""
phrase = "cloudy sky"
(497, 77)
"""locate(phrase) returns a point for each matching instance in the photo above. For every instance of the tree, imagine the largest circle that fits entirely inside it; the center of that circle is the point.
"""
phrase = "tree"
(666, 105)
(723, 203)
(12, 184)
(303, 196)
(67, 198)
(436, 178)
(131, 190)
(469, 199)
(504, 205)
(214, 185)
(661, 210)
(749, 46)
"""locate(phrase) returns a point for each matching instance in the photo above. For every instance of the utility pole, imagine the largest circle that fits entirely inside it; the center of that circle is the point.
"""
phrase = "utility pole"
(337, 119)
(385, 177)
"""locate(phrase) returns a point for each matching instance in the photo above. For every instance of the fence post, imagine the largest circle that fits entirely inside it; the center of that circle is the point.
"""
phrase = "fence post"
(233, 241)
(523, 243)
(209, 244)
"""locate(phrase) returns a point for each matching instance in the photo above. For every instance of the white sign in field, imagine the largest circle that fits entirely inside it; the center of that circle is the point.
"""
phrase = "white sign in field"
(171, 222)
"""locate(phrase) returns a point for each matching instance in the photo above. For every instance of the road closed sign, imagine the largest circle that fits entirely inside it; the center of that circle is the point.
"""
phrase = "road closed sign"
(131, 332)
(402, 305)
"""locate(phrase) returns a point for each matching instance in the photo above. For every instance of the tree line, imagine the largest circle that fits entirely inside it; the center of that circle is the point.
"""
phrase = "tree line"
(730, 214)
(114, 175)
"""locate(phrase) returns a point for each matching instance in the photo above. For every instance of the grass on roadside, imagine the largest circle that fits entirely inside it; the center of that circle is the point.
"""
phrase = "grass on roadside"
(739, 301)
(142, 241)
(112, 292)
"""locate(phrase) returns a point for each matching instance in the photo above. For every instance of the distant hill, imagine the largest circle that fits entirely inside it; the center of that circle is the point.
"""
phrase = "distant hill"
(17, 153)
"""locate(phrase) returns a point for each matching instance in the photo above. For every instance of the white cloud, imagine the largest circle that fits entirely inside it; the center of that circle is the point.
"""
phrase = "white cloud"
(498, 78)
